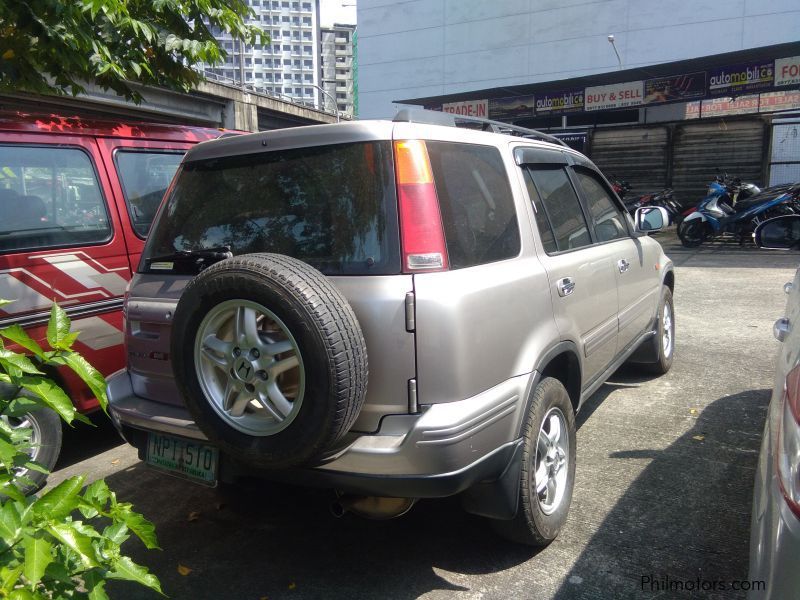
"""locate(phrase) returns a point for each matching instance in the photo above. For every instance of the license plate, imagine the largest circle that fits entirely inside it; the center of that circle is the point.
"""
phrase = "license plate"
(191, 460)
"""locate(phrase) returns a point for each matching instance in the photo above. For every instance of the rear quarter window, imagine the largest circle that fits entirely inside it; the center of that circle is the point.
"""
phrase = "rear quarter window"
(478, 213)
(333, 207)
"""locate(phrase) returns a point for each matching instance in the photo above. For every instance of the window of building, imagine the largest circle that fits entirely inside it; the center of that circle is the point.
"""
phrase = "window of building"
(308, 77)
(307, 35)
(287, 48)
(306, 6)
(258, 61)
(296, 49)
(307, 63)
(308, 92)
(259, 76)
(287, 62)
(306, 20)
(306, 49)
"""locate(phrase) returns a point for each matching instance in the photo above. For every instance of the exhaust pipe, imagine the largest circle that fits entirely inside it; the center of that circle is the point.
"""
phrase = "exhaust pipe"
(379, 508)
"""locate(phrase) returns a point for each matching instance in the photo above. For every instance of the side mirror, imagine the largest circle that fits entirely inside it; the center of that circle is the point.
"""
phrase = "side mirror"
(651, 218)
(779, 233)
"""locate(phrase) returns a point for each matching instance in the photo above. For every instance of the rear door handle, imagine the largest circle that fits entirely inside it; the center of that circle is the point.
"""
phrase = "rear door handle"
(623, 265)
(565, 286)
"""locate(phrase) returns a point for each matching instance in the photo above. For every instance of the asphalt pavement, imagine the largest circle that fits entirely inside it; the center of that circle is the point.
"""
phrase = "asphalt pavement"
(663, 488)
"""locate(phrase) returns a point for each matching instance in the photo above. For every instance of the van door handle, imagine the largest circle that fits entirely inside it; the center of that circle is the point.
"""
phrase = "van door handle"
(565, 286)
(623, 265)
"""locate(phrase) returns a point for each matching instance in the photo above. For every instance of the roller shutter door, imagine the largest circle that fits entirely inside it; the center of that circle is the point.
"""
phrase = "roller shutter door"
(735, 147)
(638, 155)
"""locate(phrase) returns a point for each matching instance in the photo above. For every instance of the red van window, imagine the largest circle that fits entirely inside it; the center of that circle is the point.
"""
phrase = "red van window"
(49, 197)
(145, 177)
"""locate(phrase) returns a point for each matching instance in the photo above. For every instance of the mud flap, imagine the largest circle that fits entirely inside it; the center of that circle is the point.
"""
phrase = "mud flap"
(497, 499)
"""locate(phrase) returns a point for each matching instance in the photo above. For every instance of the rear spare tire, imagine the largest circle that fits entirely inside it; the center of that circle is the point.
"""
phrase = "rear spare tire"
(269, 358)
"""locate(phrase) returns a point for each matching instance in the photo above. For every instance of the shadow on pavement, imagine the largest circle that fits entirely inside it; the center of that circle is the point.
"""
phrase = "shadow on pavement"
(277, 541)
(689, 508)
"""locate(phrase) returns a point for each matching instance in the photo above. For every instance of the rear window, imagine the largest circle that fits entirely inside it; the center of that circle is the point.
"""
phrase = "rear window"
(333, 207)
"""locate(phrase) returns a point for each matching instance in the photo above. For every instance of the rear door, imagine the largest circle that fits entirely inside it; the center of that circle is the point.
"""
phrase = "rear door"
(581, 273)
(634, 262)
(60, 240)
(140, 172)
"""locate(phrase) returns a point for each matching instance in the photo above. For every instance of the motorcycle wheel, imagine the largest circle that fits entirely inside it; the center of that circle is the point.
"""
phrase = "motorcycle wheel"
(692, 233)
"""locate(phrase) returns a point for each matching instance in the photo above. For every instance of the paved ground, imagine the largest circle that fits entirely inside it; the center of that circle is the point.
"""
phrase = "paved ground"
(663, 485)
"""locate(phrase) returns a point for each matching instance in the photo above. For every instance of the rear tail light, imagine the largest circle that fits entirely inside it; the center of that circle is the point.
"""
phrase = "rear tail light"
(421, 233)
(787, 455)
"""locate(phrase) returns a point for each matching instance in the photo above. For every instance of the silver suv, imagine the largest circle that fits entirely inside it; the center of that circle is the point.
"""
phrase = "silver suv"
(493, 280)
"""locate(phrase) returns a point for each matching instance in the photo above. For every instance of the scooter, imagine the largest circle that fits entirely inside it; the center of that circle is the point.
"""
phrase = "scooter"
(730, 192)
(715, 216)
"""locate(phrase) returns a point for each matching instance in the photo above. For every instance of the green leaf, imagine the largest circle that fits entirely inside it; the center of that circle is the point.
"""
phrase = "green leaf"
(9, 577)
(10, 523)
(24, 594)
(97, 493)
(17, 334)
(51, 394)
(3, 302)
(77, 542)
(143, 528)
(19, 361)
(61, 500)
(10, 490)
(37, 557)
(126, 569)
(58, 328)
(8, 452)
(90, 376)
(95, 583)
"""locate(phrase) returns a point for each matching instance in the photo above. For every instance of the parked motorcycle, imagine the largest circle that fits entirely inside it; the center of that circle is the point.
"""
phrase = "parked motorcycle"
(730, 190)
(719, 214)
(665, 198)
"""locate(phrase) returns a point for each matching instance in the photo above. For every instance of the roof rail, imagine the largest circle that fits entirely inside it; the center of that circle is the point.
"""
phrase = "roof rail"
(435, 117)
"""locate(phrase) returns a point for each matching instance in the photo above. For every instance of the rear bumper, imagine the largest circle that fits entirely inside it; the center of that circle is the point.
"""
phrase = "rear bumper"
(441, 451)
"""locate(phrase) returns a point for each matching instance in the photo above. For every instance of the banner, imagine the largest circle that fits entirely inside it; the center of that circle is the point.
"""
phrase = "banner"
(575, 140)
(617, 95)
(468, 108)
(675, 88)
(559, 102)
(737, 79)
(787, 71)
(512, 107)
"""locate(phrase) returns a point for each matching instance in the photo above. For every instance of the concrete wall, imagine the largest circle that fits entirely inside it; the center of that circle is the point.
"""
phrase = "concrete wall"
(417, 48)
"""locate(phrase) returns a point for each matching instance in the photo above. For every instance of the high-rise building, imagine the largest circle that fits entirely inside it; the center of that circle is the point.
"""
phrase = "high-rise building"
(286, 66)
(337, 59)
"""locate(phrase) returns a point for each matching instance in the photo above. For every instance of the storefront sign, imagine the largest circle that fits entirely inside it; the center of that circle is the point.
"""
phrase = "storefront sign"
(737, 79)
(722, 107)
(512, 107)
(468, 108)
(575, 140)
(774, 101)
(559, 102)
(787, 71)
(675, 88)
(617, 95)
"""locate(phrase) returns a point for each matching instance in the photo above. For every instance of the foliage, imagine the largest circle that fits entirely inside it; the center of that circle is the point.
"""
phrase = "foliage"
(56, 46)
(46, 549)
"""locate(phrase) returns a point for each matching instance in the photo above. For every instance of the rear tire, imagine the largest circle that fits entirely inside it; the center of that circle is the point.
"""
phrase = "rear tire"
(46, 438)
(692, 233)
(664, 340)
(547, 476)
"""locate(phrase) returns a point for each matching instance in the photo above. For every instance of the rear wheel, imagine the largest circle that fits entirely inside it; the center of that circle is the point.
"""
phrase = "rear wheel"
(547, 476)
(663, 343)
(44, 445)
(692, 233)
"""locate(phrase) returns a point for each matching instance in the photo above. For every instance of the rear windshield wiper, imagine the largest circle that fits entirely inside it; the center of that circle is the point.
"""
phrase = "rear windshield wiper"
(200, 258)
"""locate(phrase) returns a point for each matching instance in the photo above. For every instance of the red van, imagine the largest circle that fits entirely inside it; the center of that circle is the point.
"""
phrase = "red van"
(76, 201)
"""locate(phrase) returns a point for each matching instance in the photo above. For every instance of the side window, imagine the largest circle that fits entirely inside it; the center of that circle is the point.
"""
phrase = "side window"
(560, 207)
(609, 224)
(478, 213)
(145, 177)
(49, 197)
(545, 231)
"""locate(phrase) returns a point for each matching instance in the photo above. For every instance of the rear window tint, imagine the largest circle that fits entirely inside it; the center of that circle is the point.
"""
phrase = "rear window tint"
(333, 207)
(49, 197)
(145, 177)
(478, 214)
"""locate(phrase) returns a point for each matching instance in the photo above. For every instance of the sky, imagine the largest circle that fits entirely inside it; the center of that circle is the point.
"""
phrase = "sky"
(332, 11)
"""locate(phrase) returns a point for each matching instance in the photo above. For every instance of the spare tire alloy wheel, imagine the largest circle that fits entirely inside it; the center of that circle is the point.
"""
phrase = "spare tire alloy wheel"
(44, 444)
(269, 358)
(249, 367)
